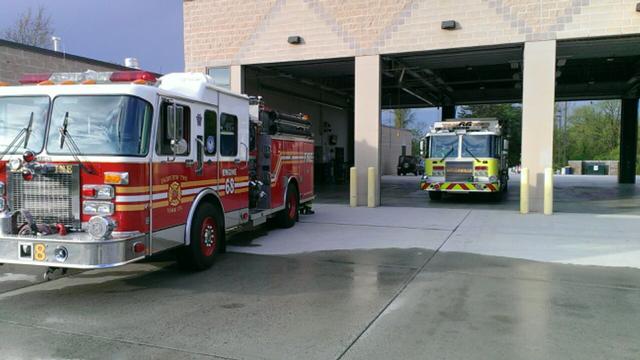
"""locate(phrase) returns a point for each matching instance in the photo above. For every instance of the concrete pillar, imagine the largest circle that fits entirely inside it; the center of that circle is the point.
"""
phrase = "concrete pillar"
(538, 99)
(236, 74)
(448, 112)
(367, 123)
(628, 141)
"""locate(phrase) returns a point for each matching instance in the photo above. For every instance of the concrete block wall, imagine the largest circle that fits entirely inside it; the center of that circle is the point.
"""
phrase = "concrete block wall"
(223, 32)
(15, 61)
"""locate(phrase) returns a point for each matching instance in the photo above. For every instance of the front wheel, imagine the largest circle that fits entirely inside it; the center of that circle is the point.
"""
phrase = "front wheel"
(206, 239)
(288, 217)
(435, 195)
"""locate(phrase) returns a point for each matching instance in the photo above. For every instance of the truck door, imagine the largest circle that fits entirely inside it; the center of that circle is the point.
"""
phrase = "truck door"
(210, 151)
(174, 173)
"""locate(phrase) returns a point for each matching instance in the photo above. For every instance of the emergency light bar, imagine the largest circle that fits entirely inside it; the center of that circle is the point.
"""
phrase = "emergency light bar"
(466, 124)
(88, 77)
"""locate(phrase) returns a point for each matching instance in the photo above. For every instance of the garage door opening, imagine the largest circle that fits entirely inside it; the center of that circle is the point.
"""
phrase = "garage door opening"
(421, 89)
(323, 90)
(596, 126)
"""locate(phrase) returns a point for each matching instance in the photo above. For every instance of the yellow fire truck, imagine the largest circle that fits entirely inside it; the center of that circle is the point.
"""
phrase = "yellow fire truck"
(465, 156)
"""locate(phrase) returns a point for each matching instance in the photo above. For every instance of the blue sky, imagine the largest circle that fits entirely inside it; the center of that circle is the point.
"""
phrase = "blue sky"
(110, 30)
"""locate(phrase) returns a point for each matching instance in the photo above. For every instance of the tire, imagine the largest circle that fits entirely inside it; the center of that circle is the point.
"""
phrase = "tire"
(496, 196)
(504, 186)
(435, 195)
(288, 217)
(206, 239)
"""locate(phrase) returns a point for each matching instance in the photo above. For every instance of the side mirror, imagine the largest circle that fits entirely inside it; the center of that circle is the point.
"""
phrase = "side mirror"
(175, 130)
(171, 130)
(505, 147)
(423, 147)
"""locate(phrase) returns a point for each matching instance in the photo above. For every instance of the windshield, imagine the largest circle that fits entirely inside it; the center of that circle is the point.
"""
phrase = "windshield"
(101, 125)
(477, 146)
(15, 113)
(442, 145)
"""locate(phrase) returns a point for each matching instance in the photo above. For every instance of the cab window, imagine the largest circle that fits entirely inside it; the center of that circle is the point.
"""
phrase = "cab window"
(210, 132)
(167, 131)
(228, 135)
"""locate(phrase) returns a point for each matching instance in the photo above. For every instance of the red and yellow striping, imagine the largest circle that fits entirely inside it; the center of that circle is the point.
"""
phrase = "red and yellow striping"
(460, 187)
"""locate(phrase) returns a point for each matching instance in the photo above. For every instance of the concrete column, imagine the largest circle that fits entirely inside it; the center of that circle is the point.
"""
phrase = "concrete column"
(628, 141)
(538, 99)
(236, 74)
(448, 112)
(367, 123)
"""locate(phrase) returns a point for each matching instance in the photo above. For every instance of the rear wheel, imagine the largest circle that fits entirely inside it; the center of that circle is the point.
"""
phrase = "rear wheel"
(206, 239)
(435, 195)
(496, 196)
(288, 217)
(504, 185)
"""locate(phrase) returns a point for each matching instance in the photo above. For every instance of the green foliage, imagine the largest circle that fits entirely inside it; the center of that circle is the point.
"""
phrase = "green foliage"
(592, 132)
(510, 117)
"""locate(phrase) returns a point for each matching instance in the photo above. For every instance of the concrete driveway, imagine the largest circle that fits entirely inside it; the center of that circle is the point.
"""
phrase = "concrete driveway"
(350, 284)
(586, 194)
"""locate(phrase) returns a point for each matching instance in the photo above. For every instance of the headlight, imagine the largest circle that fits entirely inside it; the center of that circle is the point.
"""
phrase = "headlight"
(100, 227)
(15, 164)
(493, 179)
(2, 188)
(97, 208)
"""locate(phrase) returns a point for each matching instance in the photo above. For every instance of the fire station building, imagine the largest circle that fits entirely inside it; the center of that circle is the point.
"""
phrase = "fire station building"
(343, 61)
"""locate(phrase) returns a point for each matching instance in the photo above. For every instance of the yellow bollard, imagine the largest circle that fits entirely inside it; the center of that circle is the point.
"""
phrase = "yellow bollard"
(353, 187)
(524, 191)
(548, 191)
(371, 191)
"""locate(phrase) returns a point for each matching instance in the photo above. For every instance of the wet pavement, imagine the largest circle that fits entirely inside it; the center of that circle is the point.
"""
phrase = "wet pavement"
(572, 194)
(341, 284)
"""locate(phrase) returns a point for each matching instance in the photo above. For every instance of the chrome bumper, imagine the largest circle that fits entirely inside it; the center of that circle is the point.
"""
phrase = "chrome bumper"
(83, 251)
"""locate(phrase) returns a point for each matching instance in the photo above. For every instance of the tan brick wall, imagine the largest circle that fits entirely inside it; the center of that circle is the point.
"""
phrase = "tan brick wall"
(224, 32)
(14, 62)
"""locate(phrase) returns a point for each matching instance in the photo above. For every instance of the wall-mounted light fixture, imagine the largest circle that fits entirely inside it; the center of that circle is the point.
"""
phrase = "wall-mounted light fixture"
(295, 40)
(449, 25)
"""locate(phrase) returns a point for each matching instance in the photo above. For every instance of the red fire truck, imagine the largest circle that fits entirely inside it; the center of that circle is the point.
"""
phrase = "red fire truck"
(102, 169)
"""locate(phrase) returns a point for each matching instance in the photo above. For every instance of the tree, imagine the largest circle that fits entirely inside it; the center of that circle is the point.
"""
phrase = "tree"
(402, 118)
(593, 132)
(31, 28)
(510, 117)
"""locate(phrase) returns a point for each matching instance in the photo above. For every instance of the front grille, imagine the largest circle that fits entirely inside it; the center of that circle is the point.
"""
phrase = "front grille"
(459, 171)
(50, 198)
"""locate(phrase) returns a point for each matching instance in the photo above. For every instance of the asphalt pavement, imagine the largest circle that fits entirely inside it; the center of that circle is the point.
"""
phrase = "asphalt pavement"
(351, 284)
